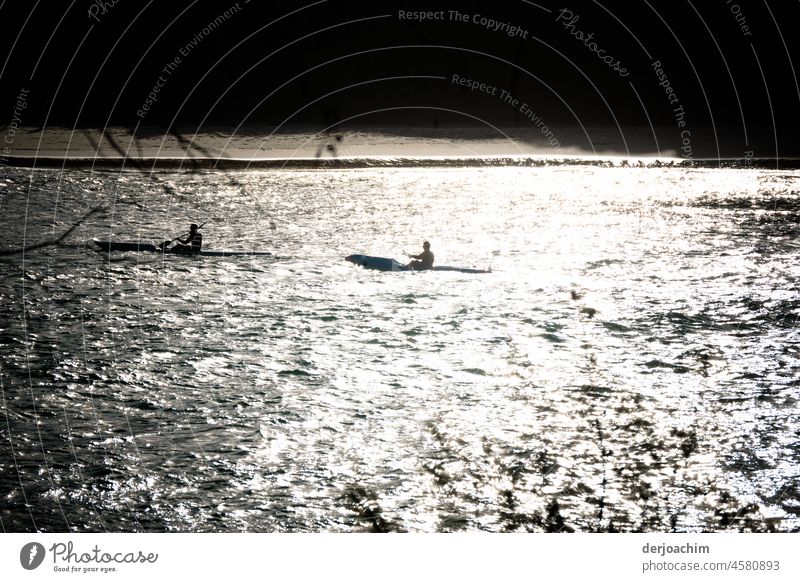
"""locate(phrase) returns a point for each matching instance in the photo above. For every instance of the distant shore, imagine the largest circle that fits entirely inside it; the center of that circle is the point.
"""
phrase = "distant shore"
(233, 164)
(364, 147)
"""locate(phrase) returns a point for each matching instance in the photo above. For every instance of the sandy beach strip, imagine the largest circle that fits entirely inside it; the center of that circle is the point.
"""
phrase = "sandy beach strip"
(307, 148)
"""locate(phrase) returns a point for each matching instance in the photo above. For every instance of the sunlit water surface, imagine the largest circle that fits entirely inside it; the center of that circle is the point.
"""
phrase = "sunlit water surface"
(630, 364)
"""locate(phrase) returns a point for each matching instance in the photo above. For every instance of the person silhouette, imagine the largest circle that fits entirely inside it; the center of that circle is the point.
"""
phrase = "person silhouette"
(422, 261)
(192, 243)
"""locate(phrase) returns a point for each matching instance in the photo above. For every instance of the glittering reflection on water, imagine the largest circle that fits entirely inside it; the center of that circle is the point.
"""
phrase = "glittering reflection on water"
(630, 364)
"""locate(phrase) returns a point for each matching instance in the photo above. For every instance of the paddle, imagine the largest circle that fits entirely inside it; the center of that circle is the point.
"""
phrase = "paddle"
(166, 243)
(410, 257)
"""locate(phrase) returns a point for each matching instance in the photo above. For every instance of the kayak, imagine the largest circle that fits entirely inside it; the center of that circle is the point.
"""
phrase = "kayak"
(151, 248)
(384, 264)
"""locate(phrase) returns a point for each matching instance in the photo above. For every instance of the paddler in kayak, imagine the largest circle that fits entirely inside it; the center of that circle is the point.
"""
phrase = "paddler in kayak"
(424, 260)
(190, 245)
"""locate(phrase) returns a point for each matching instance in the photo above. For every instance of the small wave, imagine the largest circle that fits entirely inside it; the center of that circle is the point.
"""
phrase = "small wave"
(552, 338)
(611, 326)
(293, 373)
(595, 390)
(677, 368)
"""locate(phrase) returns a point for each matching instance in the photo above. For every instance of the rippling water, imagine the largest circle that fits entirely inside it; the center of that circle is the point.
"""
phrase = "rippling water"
(632, 363)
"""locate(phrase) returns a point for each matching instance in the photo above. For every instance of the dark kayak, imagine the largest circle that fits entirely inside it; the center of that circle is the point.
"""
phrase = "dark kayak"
(384, 264)
(151, 248)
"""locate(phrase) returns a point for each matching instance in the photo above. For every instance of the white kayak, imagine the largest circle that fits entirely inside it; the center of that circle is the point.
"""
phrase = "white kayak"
(384, 264)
